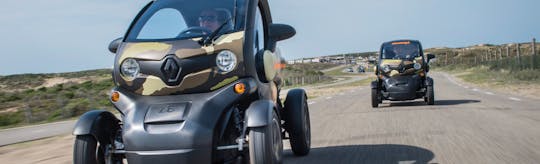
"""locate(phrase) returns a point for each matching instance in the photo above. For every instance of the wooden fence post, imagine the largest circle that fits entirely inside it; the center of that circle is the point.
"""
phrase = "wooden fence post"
(507, 54)
(533, 53)
(518, 56)
(446, 59)
(507, 51)
(486, 53)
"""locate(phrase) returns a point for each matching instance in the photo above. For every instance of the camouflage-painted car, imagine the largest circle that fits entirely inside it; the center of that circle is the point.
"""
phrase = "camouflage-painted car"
(401, 73)
(197, 81)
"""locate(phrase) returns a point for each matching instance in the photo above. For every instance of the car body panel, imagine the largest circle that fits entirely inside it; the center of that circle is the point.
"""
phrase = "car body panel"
(201, 81)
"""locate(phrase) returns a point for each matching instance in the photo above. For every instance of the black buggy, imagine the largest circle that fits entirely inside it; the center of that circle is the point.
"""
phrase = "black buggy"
(197, 81)
(401, 73)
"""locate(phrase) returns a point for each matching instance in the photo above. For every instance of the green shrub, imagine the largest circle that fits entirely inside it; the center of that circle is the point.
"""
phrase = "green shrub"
(527, 75)
(7, 119)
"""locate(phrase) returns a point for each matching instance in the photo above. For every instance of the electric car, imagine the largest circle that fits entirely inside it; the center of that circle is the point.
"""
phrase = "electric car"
(197, 81)
(401, 73)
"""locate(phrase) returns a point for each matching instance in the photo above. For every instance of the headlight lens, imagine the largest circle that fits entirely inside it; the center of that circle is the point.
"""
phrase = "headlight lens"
(417, 66)
(226, 61)
(130, 68)
(386, 68)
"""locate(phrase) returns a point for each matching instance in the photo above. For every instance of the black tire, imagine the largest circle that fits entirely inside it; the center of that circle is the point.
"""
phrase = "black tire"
(430, 95)
(374, 98)
(298, 122)
(265, 143)
(87, 151)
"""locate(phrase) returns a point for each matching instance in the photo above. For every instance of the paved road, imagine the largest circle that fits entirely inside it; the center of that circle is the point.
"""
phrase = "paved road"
(466, 125)
(15, 135)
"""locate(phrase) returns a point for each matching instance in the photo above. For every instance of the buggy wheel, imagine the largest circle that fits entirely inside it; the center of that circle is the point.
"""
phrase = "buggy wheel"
(298, 123)
(375, 98)
(265, 143)
(430, 96)
(87, 151)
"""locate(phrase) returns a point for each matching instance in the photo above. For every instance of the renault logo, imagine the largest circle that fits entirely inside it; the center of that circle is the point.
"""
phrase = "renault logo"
(170, 70)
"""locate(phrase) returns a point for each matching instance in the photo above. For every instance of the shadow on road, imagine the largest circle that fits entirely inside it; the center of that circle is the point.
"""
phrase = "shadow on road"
(363, 154)
(437, 103)
(455, 102)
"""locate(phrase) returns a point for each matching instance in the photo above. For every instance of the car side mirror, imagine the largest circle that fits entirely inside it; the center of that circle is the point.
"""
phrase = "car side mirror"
(278, 32)
(113, 46)
(430, 56)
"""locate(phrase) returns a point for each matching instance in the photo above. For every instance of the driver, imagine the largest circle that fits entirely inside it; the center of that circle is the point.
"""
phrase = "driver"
(397, 52)
(211, 19)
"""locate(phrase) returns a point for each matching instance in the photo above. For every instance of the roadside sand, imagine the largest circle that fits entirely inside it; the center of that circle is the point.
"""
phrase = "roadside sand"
(57, 150)
(525, 90)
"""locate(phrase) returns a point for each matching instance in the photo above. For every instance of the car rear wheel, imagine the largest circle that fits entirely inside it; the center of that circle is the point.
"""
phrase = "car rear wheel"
(297, 122)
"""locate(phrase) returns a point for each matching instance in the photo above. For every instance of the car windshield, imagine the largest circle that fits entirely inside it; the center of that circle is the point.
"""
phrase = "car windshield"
(400, 50)
(183, 19)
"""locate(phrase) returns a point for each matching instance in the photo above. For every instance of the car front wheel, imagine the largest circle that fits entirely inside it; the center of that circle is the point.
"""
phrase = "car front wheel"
(265, 143)
(375, 98)
(430, 96)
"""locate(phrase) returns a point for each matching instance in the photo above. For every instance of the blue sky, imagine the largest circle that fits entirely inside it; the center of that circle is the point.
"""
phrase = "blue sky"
(44, 36)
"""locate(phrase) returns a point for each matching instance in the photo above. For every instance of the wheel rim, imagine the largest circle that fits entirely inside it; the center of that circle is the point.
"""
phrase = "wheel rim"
(276, 139)
(307, 126)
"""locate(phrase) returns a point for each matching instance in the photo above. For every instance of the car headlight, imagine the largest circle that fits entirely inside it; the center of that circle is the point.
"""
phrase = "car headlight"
(387, 69)
(417, 66)
(130, 68)
(226, 61)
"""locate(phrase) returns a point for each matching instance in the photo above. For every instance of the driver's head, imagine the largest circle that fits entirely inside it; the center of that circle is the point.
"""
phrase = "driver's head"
(212, 18)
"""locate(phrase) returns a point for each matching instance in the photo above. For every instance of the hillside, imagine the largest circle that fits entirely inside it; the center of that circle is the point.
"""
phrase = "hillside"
(488, 63)
(38, 98)
(35, 98)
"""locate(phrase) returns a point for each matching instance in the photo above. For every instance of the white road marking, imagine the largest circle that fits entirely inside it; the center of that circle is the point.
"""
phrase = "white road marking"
(466, 87)
(489, 93)
(328, 98)
(476, 90)
(311, 102)
(341, 93)
(513, 98)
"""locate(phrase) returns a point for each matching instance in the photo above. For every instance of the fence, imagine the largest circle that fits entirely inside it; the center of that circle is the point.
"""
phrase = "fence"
(304, 80)
(513, 57)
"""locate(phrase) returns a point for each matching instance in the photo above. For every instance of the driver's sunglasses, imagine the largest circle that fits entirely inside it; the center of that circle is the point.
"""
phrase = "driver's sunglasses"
(208, 18)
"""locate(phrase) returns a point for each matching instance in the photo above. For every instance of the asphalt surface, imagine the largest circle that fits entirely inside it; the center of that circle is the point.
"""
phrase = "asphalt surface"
(466, 125)
(29, 133)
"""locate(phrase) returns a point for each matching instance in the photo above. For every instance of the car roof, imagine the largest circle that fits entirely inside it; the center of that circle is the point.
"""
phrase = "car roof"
(402, 40)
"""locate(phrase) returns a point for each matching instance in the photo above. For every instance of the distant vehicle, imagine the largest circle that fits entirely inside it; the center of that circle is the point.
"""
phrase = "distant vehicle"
(350, 69)
(361, 69)
(402, 73)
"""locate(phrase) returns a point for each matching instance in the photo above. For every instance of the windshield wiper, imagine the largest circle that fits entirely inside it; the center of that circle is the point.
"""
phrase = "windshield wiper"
(214, 34)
